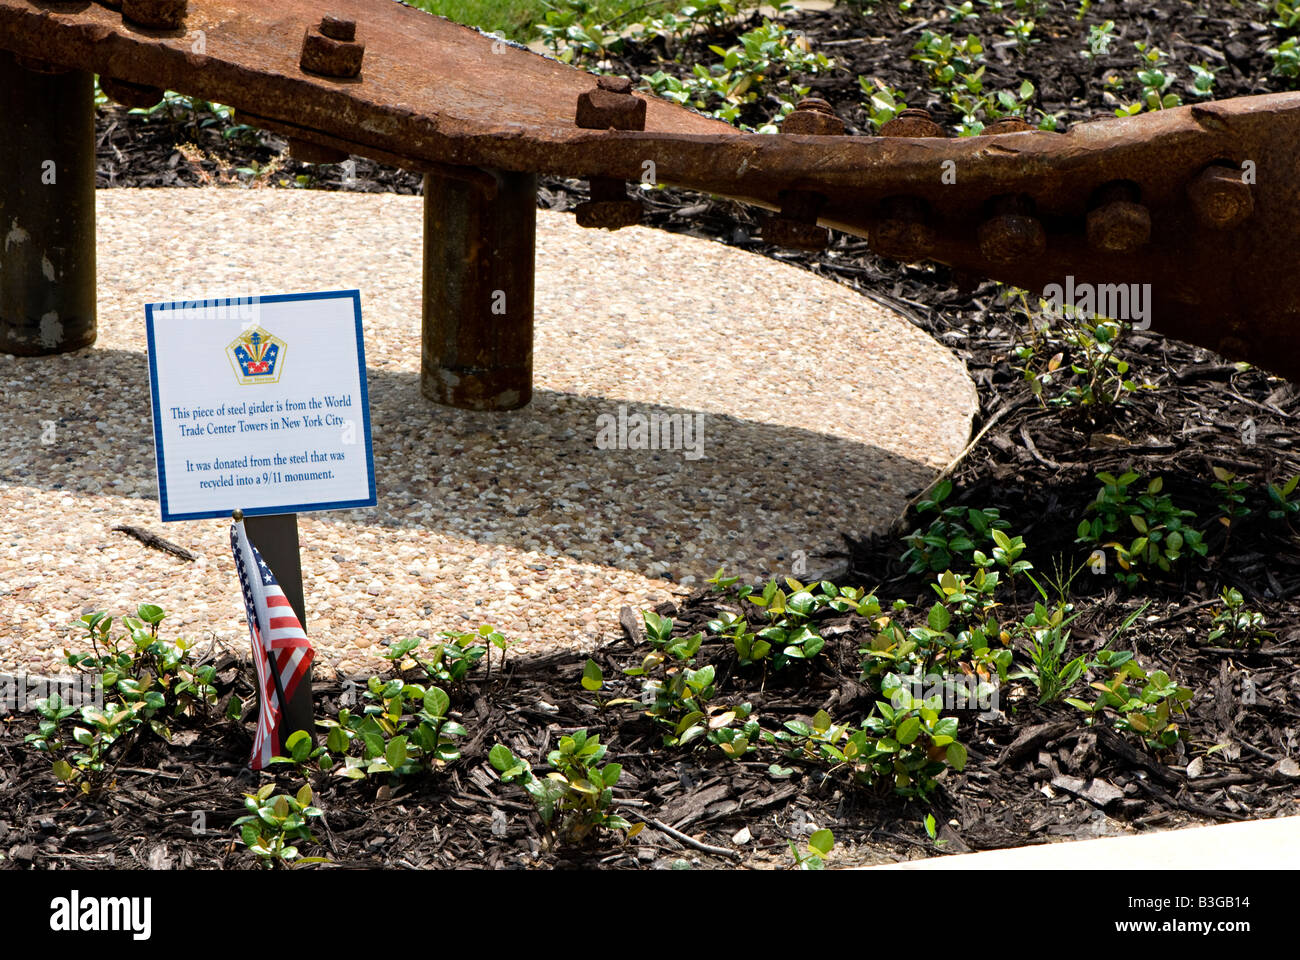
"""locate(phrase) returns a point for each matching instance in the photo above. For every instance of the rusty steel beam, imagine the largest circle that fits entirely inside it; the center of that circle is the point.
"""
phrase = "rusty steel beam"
(1193, 205)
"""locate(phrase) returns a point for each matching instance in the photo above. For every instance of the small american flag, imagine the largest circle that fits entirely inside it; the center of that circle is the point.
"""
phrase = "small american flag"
(277, 636)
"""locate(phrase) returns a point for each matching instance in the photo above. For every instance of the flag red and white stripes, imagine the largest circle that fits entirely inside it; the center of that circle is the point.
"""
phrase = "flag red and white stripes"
(277, 637)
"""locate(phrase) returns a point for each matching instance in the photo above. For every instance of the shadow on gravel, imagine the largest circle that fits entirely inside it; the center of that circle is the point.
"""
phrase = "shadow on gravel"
(746, 493)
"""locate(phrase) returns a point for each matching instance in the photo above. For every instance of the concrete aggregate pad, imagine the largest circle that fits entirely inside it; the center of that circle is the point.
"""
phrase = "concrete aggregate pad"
(820, 413)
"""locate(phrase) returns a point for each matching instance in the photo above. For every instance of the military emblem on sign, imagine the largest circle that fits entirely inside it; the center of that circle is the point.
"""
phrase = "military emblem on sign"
(256, 356)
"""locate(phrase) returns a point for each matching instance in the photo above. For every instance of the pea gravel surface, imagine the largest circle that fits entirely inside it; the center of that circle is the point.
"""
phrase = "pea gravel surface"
(820, 413)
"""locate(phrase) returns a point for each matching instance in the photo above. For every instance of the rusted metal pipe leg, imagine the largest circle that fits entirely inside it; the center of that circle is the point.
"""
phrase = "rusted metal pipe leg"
(47, 208)
(479, 233)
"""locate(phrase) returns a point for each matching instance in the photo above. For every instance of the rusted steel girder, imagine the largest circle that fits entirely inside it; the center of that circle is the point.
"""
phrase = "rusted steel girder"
(1191, 208)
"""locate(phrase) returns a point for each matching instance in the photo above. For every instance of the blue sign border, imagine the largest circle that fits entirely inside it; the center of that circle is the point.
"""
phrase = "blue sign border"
(168, 516)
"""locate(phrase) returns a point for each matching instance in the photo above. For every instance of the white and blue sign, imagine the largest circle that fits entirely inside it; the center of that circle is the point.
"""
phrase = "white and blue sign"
(260, 403)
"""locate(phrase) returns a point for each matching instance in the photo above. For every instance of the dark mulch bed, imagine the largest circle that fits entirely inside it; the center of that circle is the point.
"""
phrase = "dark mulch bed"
(1035, 463)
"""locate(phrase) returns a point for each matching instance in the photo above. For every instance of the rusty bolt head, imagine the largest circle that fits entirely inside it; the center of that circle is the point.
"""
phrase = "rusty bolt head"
(609, 207)
(339, 28)
(608, 214)
(608, 189)
(796, 234)
(614, 84)
(796, 225)
(603, 109)
(1009, 237)
(158, 14)
(912, 122)
(330, 57)
(1006, 125)
(1219, 197)
(802, 205)
(902, 231)
(1119, 226)
(814, 117)
(137, 95)
(815, 104)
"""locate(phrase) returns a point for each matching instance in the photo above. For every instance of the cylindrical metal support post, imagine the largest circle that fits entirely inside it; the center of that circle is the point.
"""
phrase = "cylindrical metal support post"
(47, 209)
(479, 235)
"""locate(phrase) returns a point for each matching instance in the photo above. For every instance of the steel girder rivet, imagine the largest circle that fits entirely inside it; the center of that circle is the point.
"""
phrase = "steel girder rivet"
(795, 234)
(621, 85)
(902, 231)
(1220, 198)
(813, 116)
(332, 49)
(158, 14)
(339, 28)
(609, 208)
(1012, 233)
(796, 226)
(1006, 125)
(912, 122)
(610, 106)
(1117, 222)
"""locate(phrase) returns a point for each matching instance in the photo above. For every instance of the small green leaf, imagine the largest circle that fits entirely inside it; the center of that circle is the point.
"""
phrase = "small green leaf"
(821, 843)
(501, 757)
(909, 729)
(956, 756)
(299, 744)
(436, 702)
(337, 740)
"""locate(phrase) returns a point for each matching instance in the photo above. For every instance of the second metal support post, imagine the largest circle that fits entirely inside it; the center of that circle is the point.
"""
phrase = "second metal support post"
(47, 208)
(479, 236)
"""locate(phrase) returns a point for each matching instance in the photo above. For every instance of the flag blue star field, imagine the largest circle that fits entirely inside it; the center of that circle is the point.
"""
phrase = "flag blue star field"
(277, 636)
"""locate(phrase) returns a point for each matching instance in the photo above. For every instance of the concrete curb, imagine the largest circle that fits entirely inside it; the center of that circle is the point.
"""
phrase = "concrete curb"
(1253, 845)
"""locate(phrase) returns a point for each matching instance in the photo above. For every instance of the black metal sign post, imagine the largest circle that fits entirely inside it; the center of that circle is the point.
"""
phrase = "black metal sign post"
(276, 539)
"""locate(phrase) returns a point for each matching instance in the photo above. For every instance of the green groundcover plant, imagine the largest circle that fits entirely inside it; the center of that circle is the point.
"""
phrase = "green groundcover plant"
(147, 682)
(275, 825)
(576, 798)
